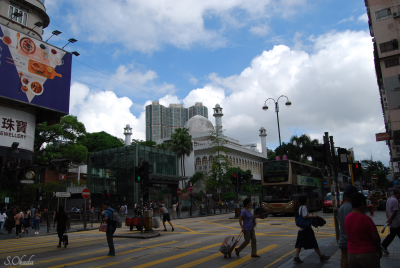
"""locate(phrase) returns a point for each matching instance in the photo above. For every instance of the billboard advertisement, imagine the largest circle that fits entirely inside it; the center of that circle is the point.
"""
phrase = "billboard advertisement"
(17, 126)
(33, 71)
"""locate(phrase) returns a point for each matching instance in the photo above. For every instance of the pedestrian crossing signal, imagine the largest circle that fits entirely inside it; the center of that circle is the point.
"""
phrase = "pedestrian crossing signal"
(138, 174)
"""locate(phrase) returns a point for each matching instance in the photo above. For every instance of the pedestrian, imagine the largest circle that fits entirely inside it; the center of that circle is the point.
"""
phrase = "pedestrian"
(126, 210)
(27, 220)
(178, 209)
(3, 217)
(305, 236)
(166, 217)
(36, 219)
(73, 208)
(138, 211)
(108, 218)
(33, 209)
(174, 210)
(393, 219)
(247, 225)
(364, 244)
(18, 216)
(61, 219)
(345, 210)
(10, 221)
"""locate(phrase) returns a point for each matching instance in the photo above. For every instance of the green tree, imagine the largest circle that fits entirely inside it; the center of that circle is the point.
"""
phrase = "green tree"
(181, 143)
(149, 143)
(218, 140)
(99, 141)
(60, 140)
(217, 177)
(164, 146)
(381, 171)
(196, 177)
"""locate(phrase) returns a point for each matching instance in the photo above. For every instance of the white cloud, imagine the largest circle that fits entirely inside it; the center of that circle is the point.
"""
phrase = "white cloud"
(260, 30)
(363, 18)
(104, 111)
(127, 73)
(148, 25)
(346, 20)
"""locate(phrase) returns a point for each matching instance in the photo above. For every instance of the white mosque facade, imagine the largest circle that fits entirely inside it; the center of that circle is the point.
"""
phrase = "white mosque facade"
(246, 157)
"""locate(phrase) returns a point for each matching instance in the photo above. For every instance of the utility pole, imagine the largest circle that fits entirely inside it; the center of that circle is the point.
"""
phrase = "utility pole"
(335, 188)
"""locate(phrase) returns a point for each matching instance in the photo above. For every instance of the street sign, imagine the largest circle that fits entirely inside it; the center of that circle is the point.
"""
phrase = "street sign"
(284, 157)
(218, 190)
(63, 194)
(190, 189)
(382, 136)
(277, 158)
(179, 191)
(209, 195)
(62, 177)
(86, 193)
(27, 181)
(6, 200)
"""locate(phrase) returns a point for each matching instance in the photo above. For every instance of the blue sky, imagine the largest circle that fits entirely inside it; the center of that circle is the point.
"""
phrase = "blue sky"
(237, 53)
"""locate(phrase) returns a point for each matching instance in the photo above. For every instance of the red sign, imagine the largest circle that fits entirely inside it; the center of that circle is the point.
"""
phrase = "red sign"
(277, 158)
(62, 177)
(284, 157)
(190, 189)
(184, 196)
(382, 136)
(179, 191)
(86, 193)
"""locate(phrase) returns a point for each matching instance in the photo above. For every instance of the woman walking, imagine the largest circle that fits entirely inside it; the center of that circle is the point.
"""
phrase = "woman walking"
(247, 225)
(61, 218)
(36, 220)
(27, 220)
(10, 221)
(18, 216)
(305, 236)
(174, 210)
(3, 218)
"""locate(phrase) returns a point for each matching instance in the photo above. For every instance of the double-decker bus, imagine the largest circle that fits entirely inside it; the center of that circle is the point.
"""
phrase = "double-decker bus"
(284, 180)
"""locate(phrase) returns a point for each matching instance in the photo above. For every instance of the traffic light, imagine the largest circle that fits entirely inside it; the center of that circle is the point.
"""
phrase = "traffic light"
(357, 169)
(239, 176)
(343, 161)
(139, 174)
(323, 153)
(147, 170)
(234, 179)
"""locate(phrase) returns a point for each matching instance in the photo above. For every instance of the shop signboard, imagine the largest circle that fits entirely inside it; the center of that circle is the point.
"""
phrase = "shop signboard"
(308, 181)
(16, 126)
(33, 71)
(382, 136)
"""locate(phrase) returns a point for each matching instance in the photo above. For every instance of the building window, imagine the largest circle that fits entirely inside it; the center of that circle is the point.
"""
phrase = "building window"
(392, 62)
(389, 46)
(383, 14)
(23, 19)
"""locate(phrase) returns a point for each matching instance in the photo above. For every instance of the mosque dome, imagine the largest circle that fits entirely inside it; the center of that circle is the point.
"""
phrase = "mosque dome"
(198, 124)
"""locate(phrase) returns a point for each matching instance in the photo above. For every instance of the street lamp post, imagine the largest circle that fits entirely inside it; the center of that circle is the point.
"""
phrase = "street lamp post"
(265, 108)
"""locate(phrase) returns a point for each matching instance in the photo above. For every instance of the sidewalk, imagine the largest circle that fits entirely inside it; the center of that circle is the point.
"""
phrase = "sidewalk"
(330, 247)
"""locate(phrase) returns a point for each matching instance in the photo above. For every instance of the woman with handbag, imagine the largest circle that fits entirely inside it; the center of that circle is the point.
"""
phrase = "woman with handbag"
(27, 220)
(61, 218)
(19, 219)
(305, 236)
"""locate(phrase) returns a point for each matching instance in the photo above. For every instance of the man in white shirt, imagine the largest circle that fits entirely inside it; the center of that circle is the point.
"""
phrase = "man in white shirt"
(393, 216)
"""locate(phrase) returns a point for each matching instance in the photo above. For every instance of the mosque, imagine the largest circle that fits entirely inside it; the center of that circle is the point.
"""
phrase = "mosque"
(246, 157)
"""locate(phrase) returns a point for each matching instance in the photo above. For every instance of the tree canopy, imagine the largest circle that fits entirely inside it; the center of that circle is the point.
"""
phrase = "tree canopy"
(181, 143)
(378, 168)
(60, 140)
(99, 141)
(149, 143)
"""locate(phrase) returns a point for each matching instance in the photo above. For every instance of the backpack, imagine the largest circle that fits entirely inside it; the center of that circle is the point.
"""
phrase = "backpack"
(116, 221)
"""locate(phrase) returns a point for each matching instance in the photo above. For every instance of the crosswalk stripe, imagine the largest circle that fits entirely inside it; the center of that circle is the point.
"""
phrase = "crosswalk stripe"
(176, 256)
(200, 261)
(248, 257)
(104, 257)
(272, 263)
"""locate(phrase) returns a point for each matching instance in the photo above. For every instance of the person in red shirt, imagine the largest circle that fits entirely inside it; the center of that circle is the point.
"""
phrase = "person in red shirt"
(364, 243)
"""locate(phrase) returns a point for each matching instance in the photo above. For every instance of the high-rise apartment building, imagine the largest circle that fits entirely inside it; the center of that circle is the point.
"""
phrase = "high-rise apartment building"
(384, 24)
(162, 121)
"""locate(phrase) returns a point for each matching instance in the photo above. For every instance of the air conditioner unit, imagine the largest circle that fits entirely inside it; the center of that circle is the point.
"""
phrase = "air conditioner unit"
(395, 14)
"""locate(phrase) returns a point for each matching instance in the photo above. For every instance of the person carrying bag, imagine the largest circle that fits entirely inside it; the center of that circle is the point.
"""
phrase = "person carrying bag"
(305, 236)
(61, 218)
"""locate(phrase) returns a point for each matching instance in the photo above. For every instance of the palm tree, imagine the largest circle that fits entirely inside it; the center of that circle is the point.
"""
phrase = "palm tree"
(164, 146)
(303, 147)
(181, 143)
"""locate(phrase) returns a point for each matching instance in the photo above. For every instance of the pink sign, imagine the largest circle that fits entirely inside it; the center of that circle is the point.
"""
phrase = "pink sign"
(277, 158)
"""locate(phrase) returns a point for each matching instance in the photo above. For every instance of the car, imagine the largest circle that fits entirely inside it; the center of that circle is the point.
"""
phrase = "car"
(327, 205)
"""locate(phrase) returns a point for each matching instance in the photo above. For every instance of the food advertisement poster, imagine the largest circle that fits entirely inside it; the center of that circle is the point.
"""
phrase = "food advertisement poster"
(33, 71)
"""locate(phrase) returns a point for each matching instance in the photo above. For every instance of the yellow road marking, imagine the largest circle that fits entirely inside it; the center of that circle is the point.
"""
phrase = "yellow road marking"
(190, 230)
(272, 263)
(248, 257)
(200, 261)
(176, 256)
(104, 257)
(225, 226)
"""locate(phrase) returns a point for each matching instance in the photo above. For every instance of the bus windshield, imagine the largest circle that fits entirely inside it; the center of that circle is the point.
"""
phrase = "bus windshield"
(276, 171)
(279, 192)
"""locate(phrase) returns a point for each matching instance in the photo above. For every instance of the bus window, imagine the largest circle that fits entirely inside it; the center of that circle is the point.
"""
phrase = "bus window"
(280, 192)
(276, 171)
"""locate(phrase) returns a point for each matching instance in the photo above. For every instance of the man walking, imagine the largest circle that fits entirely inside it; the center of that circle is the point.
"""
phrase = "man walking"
(393, 217)
(108, 218)
(345, 210)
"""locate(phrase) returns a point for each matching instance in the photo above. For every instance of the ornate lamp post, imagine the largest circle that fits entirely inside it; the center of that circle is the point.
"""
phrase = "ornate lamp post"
(265, 108)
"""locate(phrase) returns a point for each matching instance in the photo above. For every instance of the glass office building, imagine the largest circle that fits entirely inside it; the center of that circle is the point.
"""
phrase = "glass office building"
(114, 170)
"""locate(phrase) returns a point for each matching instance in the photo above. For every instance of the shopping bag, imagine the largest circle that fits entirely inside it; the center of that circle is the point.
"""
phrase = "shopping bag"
(156, 222)
(301, 222)
(103, 227)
